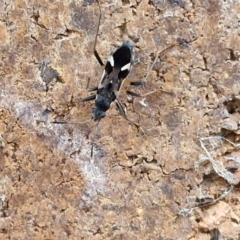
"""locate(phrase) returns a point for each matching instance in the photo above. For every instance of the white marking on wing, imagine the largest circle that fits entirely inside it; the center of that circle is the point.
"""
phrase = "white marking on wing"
(126, 67)
(111, 60)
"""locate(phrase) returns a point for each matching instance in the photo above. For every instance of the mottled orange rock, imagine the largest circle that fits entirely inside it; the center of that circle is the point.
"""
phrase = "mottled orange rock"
(138, 181)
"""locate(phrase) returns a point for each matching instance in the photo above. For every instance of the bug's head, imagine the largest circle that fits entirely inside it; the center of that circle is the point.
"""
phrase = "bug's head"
(98, 114)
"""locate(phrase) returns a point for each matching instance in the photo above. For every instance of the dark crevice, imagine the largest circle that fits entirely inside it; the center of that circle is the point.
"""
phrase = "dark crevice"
(35, 18)
(125, 2)
(230, 135)
(33, 38)
(66, 33)
(233, 56)
(232, 106)
(123, 28)
(205, 63)
(183, 43)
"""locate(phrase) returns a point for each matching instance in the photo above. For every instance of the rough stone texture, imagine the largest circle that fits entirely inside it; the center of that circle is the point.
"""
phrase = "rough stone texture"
(136, 186)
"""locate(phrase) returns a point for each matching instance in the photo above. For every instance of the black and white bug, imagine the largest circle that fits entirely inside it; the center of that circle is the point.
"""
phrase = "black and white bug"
(116, 70)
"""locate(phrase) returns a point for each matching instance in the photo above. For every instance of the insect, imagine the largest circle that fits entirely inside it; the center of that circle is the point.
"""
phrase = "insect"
(116, 70)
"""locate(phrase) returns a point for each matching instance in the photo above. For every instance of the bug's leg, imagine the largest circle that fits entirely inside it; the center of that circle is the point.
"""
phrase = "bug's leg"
(95, 51)
(98, 58)
(137, 83)
(146, 94)
(94, 136)
(144, 81)
(95, 41)
(63, 122)
(120, 108)
(123, 113)
(92, 89)
(46, 114)
(134, 94)
(89, 98)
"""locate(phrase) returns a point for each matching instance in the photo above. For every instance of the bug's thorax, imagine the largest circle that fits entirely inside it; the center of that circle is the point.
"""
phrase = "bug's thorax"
(105, 94)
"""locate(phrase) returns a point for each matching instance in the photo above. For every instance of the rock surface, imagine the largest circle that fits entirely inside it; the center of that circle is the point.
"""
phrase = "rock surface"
(177, 178)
